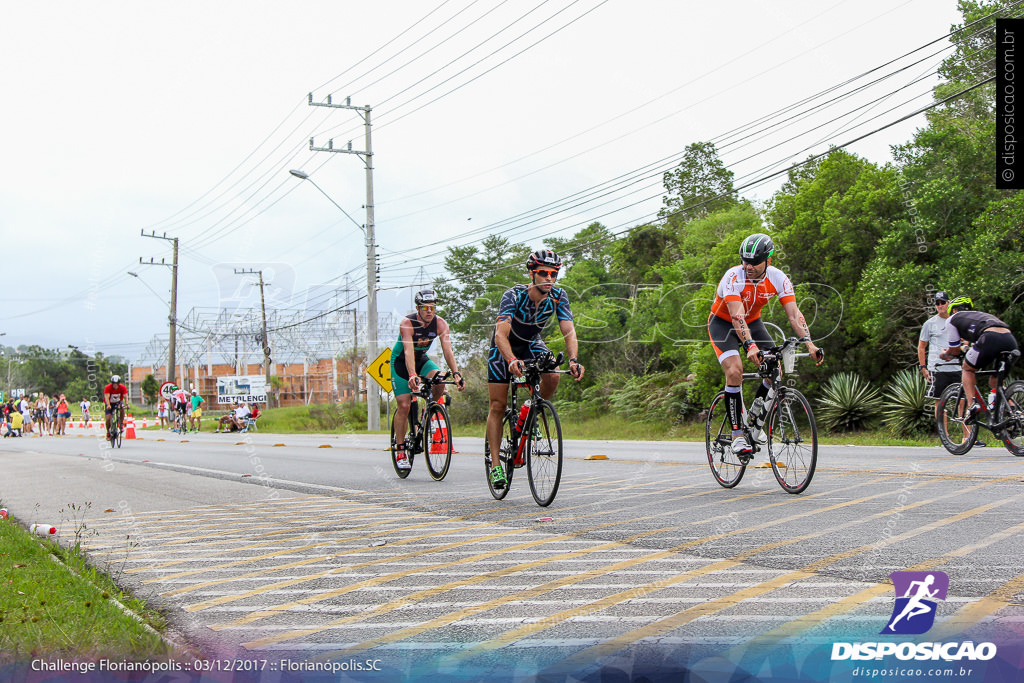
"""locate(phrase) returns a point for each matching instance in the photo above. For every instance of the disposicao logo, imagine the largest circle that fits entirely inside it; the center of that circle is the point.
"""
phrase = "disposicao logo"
(914, 614)
(916, 595)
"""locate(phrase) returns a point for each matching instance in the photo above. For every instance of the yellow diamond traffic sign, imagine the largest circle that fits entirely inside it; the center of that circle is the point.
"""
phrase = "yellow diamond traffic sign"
(380, 370)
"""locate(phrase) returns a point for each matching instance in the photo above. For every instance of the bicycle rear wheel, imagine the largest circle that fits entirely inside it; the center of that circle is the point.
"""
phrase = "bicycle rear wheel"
(792, 441)
(1013, 435)
(544, 453)
(727, 468)
(437, 441)
(505, 456)
(956, 437)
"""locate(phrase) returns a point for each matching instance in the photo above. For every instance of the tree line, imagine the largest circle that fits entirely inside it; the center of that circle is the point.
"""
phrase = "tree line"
(865, 244)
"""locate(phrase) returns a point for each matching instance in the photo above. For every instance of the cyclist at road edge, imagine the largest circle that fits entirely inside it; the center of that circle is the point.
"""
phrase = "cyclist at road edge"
(114, 394)
(523, 313)
(735, 320)
(989, 335)
(416, 333)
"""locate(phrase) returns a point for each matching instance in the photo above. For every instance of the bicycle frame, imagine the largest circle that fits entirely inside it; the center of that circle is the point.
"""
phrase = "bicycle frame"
(425, 392)
(531, 381)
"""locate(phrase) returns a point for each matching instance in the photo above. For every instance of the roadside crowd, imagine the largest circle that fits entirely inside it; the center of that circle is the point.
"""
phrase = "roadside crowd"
(39, 415)
(42, 415)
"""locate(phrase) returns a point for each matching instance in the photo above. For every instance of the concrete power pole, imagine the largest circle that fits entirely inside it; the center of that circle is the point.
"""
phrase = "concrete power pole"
(264, 339)
(173, 317)
(372, 395)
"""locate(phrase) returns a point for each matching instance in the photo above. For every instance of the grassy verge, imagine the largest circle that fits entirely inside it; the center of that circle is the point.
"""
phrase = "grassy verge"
(48, 611)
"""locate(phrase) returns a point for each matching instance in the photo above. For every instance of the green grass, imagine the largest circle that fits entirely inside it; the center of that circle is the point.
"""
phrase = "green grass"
(47, 611)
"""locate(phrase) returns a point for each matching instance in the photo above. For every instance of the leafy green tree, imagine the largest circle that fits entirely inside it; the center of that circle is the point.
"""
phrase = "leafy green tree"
(469, 298)
(700, 184)
(150, 387)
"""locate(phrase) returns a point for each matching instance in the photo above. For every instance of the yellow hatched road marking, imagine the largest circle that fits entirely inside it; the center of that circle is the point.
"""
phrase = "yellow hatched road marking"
(575, 577)
(291, 582)
(192, 557)
(419, 595)
(554, 620)
(661, 626)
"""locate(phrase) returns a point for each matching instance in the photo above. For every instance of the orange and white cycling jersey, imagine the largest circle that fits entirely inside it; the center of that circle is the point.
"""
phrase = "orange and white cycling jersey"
(754, 295)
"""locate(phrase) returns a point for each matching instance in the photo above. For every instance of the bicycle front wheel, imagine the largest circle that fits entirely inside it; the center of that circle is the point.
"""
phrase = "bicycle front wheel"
(402, 473)
(792, 441)
(1013, 407)
(544, 453)
(956, 436)
(119, 432)
(437, 440)
(727, 468)
(506, 456)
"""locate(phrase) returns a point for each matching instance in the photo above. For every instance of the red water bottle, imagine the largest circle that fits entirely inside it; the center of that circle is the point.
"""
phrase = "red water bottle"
(522, 416)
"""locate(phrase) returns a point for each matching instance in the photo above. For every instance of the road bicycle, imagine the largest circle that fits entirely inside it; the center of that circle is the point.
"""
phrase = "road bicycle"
(958, 431)
(432, 436)
(115, 432)
(531, 435)
(180, 422)
(785, 425)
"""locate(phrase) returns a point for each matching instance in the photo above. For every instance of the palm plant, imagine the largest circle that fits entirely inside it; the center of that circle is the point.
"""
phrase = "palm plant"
(848, 403)
(906, 409)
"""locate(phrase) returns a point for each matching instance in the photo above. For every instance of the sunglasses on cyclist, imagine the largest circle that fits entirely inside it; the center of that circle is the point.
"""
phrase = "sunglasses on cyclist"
(751, 262)
(546, 273)
(427, 307)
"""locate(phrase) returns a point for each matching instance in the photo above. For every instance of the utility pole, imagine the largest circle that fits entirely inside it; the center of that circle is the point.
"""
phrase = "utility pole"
(372, 396)
(265, 341)
(173, 317)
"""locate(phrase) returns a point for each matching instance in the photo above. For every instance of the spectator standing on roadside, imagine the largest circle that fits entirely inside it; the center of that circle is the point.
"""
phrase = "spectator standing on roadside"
(85, 410)
(161, 413)
(26, 415)
(51, 414)
(932, 341)
(63, 413)
(40, 414)
(195, 417)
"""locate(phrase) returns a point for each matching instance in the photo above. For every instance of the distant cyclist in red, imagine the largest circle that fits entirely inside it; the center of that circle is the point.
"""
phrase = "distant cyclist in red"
(113, 394)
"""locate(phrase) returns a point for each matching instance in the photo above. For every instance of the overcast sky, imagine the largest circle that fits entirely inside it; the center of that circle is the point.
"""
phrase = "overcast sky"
(185, 117)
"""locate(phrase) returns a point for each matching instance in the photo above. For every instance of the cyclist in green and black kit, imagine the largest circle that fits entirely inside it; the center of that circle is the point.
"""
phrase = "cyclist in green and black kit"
(416, 333)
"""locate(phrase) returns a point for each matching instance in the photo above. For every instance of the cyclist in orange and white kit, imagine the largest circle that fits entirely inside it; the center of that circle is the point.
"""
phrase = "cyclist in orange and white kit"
(735, 321)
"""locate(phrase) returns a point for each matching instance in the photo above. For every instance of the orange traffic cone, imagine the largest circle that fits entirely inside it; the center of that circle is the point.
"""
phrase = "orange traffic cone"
(129, 427)
(439, 432)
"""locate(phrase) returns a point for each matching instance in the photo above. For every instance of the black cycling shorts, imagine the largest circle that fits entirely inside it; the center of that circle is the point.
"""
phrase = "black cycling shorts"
(727, 343)
(988, 347)
(941, 380)
(497, 366)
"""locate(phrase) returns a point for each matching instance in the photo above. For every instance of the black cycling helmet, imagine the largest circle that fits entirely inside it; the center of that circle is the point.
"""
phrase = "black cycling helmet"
(543, 257)
(960, 303)
(756, 249)
(426, 296)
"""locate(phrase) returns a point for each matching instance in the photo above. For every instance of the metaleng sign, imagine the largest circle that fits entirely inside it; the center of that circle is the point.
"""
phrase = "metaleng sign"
(913, 614)
(241, 389)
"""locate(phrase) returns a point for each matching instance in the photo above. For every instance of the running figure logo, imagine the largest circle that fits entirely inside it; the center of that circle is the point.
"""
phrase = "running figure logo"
(916, 593)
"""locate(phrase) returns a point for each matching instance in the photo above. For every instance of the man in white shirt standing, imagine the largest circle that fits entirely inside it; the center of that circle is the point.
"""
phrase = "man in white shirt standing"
(933, 340)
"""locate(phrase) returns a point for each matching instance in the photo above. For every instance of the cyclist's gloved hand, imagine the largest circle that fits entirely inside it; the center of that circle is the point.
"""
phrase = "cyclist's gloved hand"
(576, 369)
(817, 353)
(460, 381)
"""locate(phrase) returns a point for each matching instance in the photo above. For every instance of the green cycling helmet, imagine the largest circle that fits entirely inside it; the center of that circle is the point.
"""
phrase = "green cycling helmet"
(960, 303)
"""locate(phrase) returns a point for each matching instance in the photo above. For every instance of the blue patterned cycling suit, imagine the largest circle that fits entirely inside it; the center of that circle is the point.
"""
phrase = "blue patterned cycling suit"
(527, 320)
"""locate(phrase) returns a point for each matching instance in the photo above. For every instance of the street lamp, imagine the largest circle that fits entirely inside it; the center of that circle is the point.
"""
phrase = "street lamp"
(372, 399)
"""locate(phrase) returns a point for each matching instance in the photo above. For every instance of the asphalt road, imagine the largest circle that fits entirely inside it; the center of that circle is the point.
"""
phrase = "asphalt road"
(309, 548)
